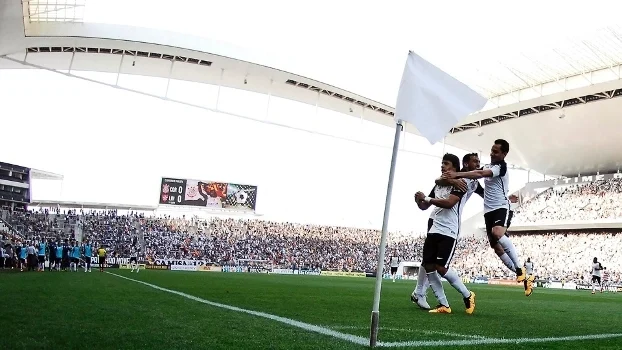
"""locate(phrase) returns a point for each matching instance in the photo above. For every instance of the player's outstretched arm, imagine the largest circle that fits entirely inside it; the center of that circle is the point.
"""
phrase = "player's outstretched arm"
(457, 183)
(473, 175)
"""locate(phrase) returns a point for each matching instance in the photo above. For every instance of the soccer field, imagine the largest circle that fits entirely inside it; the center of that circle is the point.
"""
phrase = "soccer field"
(194, 310)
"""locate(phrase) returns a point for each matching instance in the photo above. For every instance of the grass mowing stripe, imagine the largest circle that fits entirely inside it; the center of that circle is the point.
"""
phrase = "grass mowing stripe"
(308, 327)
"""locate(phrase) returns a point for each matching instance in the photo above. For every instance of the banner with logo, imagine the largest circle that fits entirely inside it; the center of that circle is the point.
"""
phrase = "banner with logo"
(170, 262)
(129, 266)
(209, 194)
(343, 274)
(502, 282)
(209, 268)
(156, 267)
(184, 268)
(111, 262)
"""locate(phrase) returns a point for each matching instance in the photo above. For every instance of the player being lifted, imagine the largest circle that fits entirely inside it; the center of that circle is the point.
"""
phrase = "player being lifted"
(440, 243)
(596, 274)
(469, 162)
(134, 258)
(497, 213)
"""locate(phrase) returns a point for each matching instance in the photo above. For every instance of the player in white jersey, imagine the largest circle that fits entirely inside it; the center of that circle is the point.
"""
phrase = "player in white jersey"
(395, 263)
(440, 243)
(596, 275)
(134, 259)
(497, 213)
(469, 162)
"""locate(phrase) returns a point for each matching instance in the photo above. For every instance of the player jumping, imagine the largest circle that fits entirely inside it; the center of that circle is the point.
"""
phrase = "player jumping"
(497, 213)
(440, 243)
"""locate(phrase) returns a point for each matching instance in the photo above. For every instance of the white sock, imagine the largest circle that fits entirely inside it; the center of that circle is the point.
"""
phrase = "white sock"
(437, 287)
(454, 279)
(422, 282)
(510, 250)
(508, 262)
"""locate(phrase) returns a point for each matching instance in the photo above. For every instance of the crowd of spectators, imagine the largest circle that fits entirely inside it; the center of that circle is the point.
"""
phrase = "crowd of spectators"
(599, 200)
(280, 244)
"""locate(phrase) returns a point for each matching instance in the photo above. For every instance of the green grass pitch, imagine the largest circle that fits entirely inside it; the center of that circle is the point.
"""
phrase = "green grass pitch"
(77, 310)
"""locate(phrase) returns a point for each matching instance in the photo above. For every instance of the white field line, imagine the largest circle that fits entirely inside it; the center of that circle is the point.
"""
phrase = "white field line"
(422, 331)
(306, 326)
(364, 341)
(493, 341)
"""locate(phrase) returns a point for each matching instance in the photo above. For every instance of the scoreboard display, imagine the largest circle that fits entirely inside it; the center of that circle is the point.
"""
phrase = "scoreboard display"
(209, 194)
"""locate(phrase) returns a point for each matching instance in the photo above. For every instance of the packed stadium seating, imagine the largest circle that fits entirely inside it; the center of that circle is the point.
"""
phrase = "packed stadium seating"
(593, 201)
(234, 241)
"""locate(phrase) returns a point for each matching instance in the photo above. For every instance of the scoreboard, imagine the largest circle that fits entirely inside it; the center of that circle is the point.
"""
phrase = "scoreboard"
(209, 194)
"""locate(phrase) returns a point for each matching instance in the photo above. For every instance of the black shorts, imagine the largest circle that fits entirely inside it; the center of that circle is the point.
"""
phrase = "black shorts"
(102, 261)
(75, 260)
(22, 260)
(393, 270)
(498, 217)
(41, 259)
(596, 279)
(133, 259)
(438, 249)
(58, 260)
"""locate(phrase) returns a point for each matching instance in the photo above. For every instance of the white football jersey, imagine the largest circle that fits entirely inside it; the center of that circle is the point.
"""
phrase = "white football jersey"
(529, 267)
(395, 261)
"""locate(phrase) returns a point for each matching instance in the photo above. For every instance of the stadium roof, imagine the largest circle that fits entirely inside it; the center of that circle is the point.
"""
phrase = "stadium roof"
(45, 175)
(578, 78)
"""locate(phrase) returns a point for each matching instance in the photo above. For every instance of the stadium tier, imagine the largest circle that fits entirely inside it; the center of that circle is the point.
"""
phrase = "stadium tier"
(272, 245)
(588, 202)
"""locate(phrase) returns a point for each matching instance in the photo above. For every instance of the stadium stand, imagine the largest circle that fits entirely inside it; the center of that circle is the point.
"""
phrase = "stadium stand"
(593, 201)
(558, 255)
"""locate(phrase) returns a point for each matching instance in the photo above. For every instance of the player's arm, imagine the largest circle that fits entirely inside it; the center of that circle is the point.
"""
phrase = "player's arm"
(457, 183)
(493, 171)
(448, 203)
(454, 197)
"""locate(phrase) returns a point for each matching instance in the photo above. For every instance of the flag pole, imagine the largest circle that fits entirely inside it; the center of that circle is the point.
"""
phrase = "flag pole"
(373, 333)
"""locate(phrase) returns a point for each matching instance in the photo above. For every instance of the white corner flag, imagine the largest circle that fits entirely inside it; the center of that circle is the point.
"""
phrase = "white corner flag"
(432, 100)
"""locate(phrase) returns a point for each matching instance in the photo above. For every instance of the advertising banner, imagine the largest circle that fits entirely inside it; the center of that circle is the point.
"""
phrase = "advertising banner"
(181, 262)
(209, 194)
(502, 282)
(129, 266)
(208, 268)
(184, 268)
(156, 267)
(342, 274)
